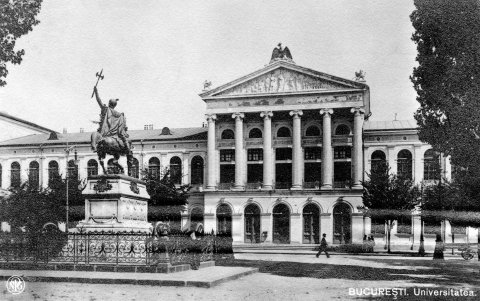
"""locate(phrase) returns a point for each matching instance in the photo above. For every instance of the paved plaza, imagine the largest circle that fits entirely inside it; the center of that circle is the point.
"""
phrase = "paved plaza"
(297, 277)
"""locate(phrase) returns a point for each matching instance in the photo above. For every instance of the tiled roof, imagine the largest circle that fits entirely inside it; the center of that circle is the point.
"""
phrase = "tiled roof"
(410, 124)
(135, 135)
(28, 123)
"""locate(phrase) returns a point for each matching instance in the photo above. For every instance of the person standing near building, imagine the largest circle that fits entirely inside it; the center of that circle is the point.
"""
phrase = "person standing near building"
(323, 246)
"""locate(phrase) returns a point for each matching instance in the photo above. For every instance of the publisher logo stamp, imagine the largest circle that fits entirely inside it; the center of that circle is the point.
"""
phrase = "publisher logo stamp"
(15, 285)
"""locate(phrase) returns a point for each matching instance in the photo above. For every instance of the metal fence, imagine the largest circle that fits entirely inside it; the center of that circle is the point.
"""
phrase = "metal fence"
(126, 248)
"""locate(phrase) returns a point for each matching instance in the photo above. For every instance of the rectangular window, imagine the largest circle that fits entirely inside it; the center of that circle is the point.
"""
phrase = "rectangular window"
(255, 154)
(313, 153)
(342, 152)
(283, 154)
(227, 155)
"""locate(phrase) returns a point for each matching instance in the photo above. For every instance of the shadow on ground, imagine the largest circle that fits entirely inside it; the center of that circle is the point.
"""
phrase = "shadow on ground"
(425, 272)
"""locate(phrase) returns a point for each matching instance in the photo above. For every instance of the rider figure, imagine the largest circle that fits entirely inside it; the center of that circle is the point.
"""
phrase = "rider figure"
(112, 123)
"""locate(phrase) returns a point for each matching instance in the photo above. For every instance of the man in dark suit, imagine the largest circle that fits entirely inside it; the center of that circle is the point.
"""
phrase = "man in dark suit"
(323, 246)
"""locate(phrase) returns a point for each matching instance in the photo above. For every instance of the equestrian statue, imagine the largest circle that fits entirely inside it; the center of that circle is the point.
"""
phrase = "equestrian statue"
(111, 137)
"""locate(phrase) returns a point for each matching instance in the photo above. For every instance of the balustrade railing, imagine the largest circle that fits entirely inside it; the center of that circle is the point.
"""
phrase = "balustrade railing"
(283, 185)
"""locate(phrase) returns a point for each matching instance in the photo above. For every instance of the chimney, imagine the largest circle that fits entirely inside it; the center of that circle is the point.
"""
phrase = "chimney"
(64, 130)
(81, 130)
(148, 127)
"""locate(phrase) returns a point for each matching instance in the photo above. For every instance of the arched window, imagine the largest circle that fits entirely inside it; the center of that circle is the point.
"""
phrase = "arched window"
(342, 129)
(110, 166)
(431, 165)
(15, 174)
(53, 172)
(154, 168)
(224, 220)
(228, 134)
(176, 170)
(72, 170)
(311, 224)
(92, 167)
(196, 217)
(284, 132)
(342, 223)
(197, 170)
(404, 164)
(378, 160)
(135, 168)
(255, 133)
(33, 174)
(312, 131)
(252, 224)
(281, 224)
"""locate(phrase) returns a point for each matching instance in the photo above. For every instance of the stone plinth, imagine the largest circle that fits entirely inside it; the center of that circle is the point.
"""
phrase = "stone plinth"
(115, 203)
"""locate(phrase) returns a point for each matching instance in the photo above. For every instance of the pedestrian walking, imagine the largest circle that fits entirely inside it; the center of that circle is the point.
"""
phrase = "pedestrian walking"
(323, 246)
(439, 247)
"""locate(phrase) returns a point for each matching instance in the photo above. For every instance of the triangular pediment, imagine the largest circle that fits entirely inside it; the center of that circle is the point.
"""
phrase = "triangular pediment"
(283, 78)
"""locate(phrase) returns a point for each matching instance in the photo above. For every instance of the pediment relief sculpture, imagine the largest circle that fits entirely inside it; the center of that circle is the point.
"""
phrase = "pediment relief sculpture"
(283, 80)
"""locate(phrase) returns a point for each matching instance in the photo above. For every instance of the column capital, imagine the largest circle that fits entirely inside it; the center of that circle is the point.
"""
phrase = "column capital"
(296, 113)
(211, 117)
(238, 115)
(266, 114)
(326, 111)
(357, 111)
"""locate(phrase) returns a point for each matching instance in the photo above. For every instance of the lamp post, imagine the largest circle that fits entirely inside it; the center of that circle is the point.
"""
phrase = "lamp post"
(67, 151)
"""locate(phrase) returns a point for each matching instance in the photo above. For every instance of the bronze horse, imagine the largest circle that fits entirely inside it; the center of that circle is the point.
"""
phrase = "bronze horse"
(111, 137)
(114, 147)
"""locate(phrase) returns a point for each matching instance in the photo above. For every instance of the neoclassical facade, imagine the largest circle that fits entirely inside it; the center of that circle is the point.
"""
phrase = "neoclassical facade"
(280, 161)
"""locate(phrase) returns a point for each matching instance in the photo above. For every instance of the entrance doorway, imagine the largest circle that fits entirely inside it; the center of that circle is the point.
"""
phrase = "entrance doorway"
(224, 220)
(311, 223)
(342, 224)
(252, 224)
(281, 224)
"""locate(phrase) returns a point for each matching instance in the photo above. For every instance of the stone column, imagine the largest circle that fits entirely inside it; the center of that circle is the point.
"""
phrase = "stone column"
(296, 228)
(297, 161)
(327, 151)
(326, 226)
(417, 164)
(367, 225)
(185, 170)
(6, 173)
(357, 147)
(211, 154)
(267, 150)
(416, 229)
(238, 228)
(184, 220)
(447, 172)
(266, 224)
(24, 169)
(83, 165)
(357, 228)
(392, 159)
(239, 156)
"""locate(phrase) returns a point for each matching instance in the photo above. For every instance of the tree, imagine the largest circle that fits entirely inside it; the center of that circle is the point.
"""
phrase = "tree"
(456, 201)
(167, 200)
(17, 18)
(31, 208)
(388, 197)
(447, 78)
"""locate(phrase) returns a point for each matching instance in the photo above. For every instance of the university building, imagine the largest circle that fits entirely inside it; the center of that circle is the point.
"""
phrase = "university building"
(280, 159)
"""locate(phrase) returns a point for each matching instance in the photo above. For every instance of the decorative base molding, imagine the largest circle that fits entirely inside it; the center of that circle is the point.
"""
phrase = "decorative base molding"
(115, 203)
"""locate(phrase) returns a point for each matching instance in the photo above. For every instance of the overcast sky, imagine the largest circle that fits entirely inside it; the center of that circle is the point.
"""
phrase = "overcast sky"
(156, 55)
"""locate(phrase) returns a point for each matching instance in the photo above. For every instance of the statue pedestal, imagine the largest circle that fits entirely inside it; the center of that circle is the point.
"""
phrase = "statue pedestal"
(115, 203)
